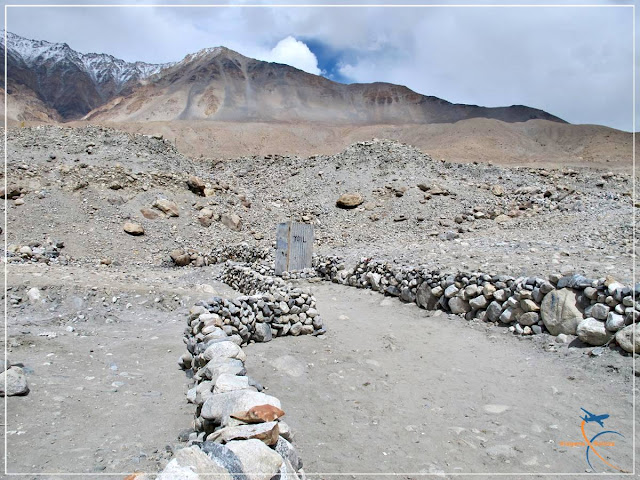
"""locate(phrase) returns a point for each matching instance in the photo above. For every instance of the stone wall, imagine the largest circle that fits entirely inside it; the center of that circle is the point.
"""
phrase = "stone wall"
(596, 310)
(274, 308)
(237, 430)
(242, 252)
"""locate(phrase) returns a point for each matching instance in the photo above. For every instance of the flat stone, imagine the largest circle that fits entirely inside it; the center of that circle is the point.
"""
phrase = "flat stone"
(216, 367)
(220, 407)
(259, 413)
(265, 432)
(495, 409)
(149, 214)
(574, 281)
(225, 349)
(227, 382)
(167, 206)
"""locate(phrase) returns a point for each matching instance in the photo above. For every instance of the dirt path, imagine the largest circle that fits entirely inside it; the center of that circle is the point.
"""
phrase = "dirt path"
(394, 388)
(391, 388)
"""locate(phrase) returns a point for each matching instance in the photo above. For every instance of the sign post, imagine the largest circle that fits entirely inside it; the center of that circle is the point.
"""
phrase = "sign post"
(294, 246)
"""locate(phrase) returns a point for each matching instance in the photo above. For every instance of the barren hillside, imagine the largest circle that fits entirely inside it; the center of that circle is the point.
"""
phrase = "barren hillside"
(532, 143)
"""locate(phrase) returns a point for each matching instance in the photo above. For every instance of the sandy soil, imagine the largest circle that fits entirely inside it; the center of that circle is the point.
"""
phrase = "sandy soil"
(107, 397)
(394, 388)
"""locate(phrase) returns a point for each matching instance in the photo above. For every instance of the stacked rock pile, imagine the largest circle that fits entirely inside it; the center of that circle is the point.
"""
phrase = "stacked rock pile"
(238, 431)
(267, 269)
(273, 309)
(242, 252)
(596, 310)
(36, 252)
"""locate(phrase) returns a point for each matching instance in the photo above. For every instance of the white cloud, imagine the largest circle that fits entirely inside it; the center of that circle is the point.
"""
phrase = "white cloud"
(295, 53)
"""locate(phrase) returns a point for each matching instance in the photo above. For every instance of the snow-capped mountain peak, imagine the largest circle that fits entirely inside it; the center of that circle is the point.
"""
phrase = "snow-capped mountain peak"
(101, 68)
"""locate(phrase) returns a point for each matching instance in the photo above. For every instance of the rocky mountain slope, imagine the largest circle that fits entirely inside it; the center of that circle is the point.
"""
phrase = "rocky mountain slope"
(69, 82)
(220, 84)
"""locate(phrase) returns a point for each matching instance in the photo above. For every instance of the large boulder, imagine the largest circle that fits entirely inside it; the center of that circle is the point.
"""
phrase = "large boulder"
(260, 461)
(625, 338)
(349, 200)
(219, 408)
(560, 313)
(593, 332)
(15, 382)
(225, 349)
(227, 382)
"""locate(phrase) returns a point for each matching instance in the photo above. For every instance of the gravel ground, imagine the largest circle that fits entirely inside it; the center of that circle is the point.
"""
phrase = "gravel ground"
(368, 388)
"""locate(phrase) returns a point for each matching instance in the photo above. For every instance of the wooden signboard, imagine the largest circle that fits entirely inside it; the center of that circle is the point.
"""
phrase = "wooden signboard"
(294, 246)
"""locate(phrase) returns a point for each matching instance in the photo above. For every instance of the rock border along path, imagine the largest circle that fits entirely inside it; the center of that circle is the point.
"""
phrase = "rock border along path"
(237, 430)
(598, 311)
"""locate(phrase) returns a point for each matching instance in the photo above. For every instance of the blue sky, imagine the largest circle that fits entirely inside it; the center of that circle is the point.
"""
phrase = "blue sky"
(575, 63)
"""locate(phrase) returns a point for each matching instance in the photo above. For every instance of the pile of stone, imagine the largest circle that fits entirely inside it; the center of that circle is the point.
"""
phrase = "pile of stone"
(244, 253)
(181, 257)
(596, 310)
(13, 381)
(274, 308)
(37, 252)
(238, 431)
